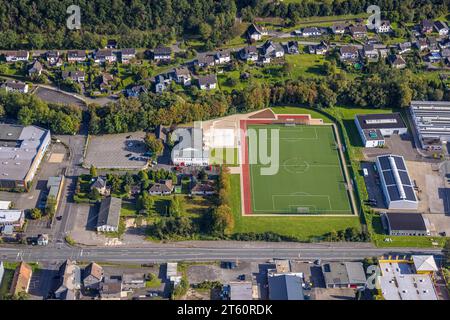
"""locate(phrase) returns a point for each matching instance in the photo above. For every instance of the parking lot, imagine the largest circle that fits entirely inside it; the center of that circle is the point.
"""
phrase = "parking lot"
(117, 151)
(53, 96)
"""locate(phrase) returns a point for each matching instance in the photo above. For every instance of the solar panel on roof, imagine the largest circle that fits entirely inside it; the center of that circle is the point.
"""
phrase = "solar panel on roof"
(404, 177)
(393, 193)
(400, 163)
(388, 177)
(384, 162)
(410, 195)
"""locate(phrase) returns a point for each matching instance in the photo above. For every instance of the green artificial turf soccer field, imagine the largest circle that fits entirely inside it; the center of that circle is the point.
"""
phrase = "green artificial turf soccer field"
(309, 179)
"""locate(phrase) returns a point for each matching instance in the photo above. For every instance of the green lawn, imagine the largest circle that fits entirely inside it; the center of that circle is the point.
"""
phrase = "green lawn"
(228, 156)
(129, 209)
(303, 228)
(306, 65)
(307, 177)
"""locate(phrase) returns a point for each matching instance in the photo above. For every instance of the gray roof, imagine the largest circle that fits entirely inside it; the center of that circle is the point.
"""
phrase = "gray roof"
(344, 273)
(241, 290)
(109, 212)
(99, 183)
(18, 148)
(396, 178)
(285, 287)
(208, 79)
(406, 221)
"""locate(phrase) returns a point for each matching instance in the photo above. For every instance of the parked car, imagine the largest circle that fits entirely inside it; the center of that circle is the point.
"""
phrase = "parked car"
(129, 155)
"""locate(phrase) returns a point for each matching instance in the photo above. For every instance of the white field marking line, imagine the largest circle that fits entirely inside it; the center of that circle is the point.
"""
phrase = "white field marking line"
(310, 195)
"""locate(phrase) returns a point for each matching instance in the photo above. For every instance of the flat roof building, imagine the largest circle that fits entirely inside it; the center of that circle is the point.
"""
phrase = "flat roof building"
(432, 122)
(406, 224)
(373, 128)
(344, 274)
(14, 218)
(21, 152)
(191, 150)
(241, 290)
(398, 281)
(285, 286)
(396, 184)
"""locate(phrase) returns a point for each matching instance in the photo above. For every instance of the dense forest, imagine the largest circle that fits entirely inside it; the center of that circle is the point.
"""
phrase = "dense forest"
(137, 23)
(30, 24)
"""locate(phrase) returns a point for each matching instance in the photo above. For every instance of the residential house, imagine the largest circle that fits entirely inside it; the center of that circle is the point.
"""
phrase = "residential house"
(204, 189)
(133, 281)
(421, 44)
(53, 58)
(221, 57)
(445, 53)
(272, 49)
(384, 27)
(441, 27)
(404, 47)
(208, 82)
(358, 31)
(349, 53)
(182, 75)
(344, 275)
(320, 49)
(426, 26)
(35, 69)
(311, 32)
(92, 276)
(111, 44)
(111, 288)
(161, 83)
(21, 280)
(162, 54)
(136, 91)
(338, 28)
(105, 81)
(109, 215)
(126, 55)
(205, 61)
(42, 240)
(69, 281)
(15, 86)
(105, 56)
(14, 56)
(444, 43)
(100, 185)
(76, 76)
(433, 57)
(369, 52)
(249, 53)
(397, 61)
(292, 47)
(76, 56)
(255, 33)
(163, 188)
(433, 45)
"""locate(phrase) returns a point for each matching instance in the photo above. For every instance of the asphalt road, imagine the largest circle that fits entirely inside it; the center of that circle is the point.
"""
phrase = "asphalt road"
(162, 253)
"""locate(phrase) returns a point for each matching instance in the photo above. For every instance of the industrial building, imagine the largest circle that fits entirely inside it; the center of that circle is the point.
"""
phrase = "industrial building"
(109, 215)
(432, 123)
(344, 274)
(373, 128)
(190, 150)
(21, 152)
(408, 279)
(396, 184)
(406, 224)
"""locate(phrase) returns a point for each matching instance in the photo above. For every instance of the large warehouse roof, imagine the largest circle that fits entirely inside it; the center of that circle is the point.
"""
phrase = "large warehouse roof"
(18, 147)
(431, 118)
(406, 221)
(396, 178)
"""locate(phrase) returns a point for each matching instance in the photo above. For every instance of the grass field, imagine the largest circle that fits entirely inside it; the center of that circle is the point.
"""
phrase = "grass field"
(309, 178)
(303, 228)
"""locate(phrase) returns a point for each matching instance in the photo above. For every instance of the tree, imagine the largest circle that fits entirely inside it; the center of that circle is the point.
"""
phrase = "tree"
(35, 214)
(95, 194)
(93, 172)
(176, 206)
(145, 202)
(223, 220)
(446, 252)
(50, 207)
(154, 145)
